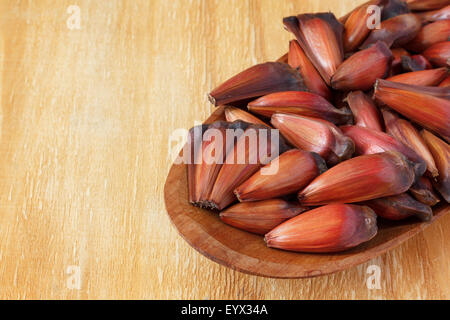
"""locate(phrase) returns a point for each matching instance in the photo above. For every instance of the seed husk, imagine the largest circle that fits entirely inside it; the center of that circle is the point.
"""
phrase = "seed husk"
(435, 15)
(364, 110)
(423, 192)
(368, 141)
(422, 5)
(257, 81)
(395, 32)
(438, 54)
(320, 37)
(332, 228)
(292, 171)
(445, 83)
(361, 70)
(344, 18)
(246, 158)
(315, 135)
(215, 146)
(194, 143)
(284, 58)
(430, 34)
(400, 207)
(425, 78)
(417, 104)
(441, 154)
(442, 93)
(393, 8)
(234, 114)
(299, 103)
(415, 63)
(389, 9)
(360, 179)
(262, 216)
(355, 28)
(298, 60)
(397, 66)
(406, 133)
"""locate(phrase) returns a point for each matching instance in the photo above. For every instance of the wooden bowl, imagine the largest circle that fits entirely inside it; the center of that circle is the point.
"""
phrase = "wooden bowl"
(247, 252)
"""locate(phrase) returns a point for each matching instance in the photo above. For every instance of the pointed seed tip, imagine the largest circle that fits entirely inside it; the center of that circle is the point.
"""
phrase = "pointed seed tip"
(375, 86)
(237, 194)
(267, 240)
(321, 163)
(290, 20)
(211, 99)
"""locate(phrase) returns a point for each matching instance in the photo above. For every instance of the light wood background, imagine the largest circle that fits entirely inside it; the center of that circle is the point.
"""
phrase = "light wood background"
(85, 122)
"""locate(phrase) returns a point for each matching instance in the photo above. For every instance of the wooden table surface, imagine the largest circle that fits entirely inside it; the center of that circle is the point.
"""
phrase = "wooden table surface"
(86, 115)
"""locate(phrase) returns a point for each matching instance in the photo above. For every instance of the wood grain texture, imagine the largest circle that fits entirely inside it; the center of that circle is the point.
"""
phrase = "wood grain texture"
(85, 120)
